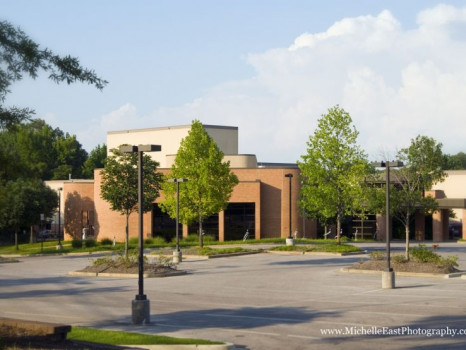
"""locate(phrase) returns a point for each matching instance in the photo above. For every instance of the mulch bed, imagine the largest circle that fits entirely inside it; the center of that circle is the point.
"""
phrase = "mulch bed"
(410, 266)
(120, 268)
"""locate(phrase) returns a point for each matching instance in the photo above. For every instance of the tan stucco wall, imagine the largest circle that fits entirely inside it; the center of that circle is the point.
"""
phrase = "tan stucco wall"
(170, 137)
(454, 186)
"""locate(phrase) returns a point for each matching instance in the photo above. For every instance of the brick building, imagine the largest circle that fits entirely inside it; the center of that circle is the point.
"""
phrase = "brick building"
(259, 204)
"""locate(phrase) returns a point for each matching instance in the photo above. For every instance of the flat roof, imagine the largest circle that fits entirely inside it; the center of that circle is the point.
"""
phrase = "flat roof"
(207, 126)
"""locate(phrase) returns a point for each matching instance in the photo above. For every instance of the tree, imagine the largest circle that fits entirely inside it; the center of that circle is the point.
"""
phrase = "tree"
(333, 168)
(20, 55)
(23, 203)
(35, 149)
(95, 160)
(210, 182)
(455, 162)
(119, 185)
(423, 161)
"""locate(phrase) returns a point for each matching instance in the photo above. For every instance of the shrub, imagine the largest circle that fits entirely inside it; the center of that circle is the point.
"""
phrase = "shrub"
(158, 241)
(400, 259)
(377, 255)
(134, 240)
(422, 254)
(450, 261)
(76, 243)
(90, 242)
(192, 238)
(106, 241)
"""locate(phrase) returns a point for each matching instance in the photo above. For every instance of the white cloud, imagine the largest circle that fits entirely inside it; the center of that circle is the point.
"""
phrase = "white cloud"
(395, 83)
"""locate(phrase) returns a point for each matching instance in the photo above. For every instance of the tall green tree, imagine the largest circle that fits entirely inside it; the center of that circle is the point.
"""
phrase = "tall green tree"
(210, 182)
(95, 160)
(23, 202)
(423, 161)
(38, 150)
(119, 185)
(455, 161)
(19, 56)
(333, 169)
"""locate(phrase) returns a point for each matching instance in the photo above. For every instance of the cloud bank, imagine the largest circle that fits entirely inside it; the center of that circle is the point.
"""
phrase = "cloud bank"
(395, 83)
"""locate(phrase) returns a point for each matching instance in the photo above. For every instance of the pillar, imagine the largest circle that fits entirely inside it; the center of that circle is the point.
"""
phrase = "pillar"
(440, 225)
(221, 226)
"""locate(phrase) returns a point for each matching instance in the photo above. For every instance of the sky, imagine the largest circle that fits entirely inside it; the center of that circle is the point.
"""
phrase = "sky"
(270, 67)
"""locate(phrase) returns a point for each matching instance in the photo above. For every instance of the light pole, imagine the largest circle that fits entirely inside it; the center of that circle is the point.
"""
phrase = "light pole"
(388, 276)
(59, 189)
(177, 255)
(289, 240)
(140, 305)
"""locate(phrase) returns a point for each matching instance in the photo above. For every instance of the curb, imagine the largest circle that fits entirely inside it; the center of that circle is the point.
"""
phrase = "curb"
(183, 347)
(297, 252)
(125, 275)
(215, 256)
(407, 274)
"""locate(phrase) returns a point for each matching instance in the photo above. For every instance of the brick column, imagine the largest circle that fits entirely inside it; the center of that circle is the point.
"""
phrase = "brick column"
(221, 226)
(440, 225)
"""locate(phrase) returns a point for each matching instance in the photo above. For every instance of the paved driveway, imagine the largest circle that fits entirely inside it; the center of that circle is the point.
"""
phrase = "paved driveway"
(262, 301)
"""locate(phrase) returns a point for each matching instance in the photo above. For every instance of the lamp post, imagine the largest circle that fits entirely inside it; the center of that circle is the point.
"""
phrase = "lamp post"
(140, 305)
(177, 255)
(289, 240)
(59, 246)
(388, 276)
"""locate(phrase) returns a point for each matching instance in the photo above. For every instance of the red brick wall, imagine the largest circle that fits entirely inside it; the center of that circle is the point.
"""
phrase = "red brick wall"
(266, 187)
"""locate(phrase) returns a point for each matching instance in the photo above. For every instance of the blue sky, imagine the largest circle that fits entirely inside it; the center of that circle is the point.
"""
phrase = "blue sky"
(272, 68)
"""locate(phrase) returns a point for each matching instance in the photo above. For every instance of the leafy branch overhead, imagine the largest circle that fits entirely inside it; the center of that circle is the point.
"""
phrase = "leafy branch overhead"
(20, 55)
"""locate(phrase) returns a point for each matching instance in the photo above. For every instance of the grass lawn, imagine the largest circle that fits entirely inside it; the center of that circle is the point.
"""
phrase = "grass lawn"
(189, 245)
(129, 338)
(320, 247)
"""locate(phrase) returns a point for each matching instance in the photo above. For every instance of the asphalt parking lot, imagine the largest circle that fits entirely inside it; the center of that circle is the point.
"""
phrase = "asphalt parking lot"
(261, 301)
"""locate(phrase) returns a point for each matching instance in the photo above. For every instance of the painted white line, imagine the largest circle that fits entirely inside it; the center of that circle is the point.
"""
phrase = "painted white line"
(303, 337)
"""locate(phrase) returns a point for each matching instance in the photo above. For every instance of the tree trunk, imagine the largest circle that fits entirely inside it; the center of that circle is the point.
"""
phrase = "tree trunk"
(407, 236)
(31, 234)
(201, 239)
(126, 236)
(338, 228)
(16, 239)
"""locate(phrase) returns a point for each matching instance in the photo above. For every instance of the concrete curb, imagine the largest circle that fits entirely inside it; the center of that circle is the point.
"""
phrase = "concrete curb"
(407, 274)
(297, 252)
(125, 275)
(206, 257)
(183, 347)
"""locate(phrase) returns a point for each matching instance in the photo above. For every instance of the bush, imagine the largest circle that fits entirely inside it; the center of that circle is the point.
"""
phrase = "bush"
(106, 241)
(134, 240)
(193, 238)
(422, 254)
(377, 255)
(76, 243)
(450, 261)
(158, 241)
(400, 259)
(90, 242)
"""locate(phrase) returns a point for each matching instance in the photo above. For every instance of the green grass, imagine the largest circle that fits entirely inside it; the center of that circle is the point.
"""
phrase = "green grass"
(129, 338)
(49, 247)
(321, 247)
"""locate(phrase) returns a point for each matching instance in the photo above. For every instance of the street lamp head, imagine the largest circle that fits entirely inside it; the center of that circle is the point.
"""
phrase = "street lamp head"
(140, 148)
(177, 180)
(392, 164)
(60, 189)
(289, 175)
